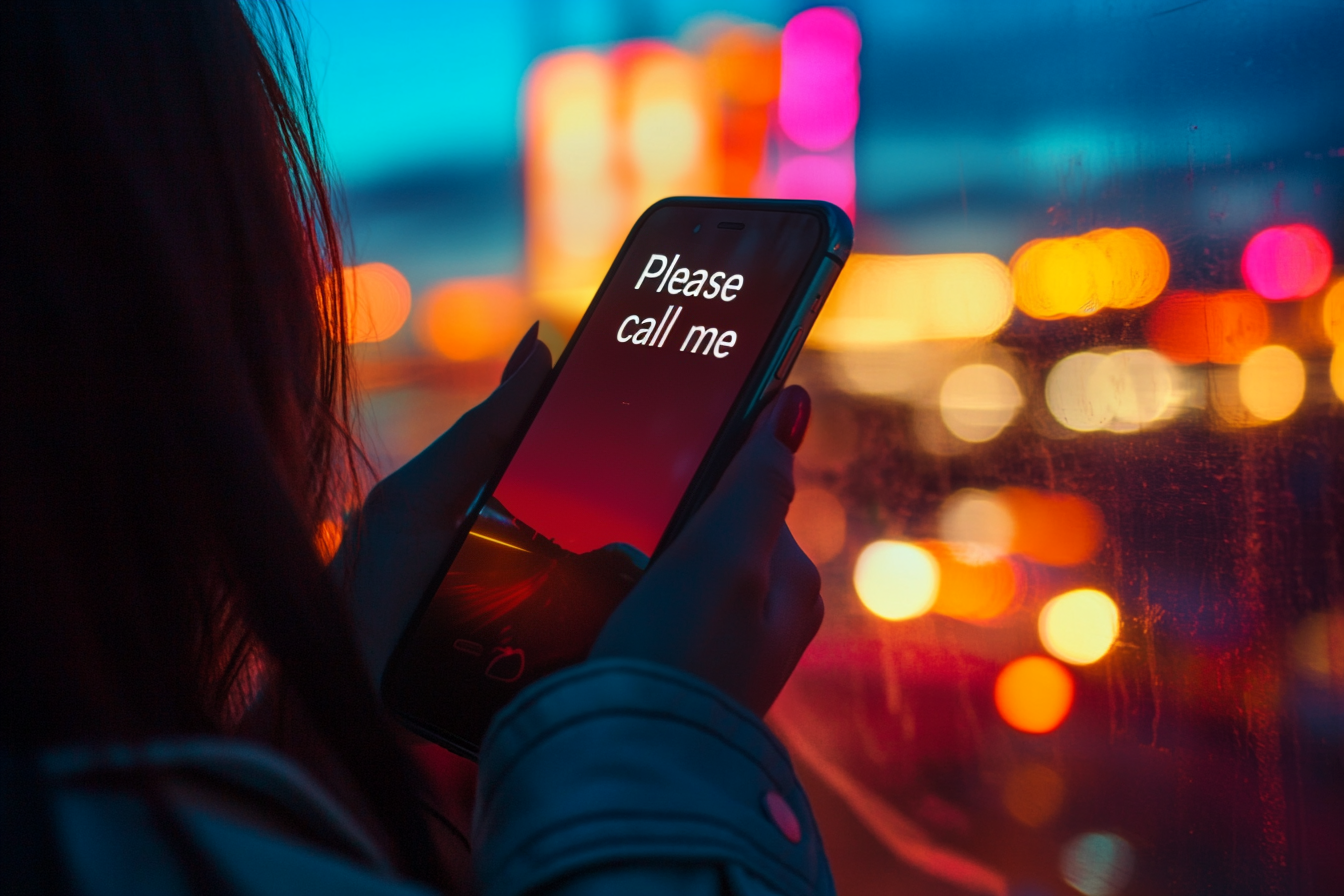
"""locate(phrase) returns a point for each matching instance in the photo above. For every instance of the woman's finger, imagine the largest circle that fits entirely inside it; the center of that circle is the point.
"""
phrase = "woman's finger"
(744, 515)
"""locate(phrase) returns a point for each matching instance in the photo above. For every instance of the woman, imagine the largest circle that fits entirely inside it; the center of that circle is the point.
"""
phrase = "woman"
(180, 670)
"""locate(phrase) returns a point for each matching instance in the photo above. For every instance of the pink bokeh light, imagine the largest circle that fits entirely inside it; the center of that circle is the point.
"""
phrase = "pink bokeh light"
(819, 78)
(1289, 262)
(828, 177)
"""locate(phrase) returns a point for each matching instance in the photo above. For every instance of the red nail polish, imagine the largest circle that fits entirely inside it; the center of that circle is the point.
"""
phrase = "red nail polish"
(521, 353)
(795, 408)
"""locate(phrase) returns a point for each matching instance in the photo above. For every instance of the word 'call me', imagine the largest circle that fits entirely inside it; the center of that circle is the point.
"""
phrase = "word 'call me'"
(653, 332)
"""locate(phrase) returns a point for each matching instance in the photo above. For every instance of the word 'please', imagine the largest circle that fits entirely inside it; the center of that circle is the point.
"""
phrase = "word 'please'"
(685, 282)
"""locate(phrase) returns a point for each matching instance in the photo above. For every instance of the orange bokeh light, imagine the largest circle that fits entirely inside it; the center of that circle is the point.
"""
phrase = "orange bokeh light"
(1332, 313)
(1139, 265)
(971, 590)
(1053, 528)
(1080, 275)
(1192, 328)
(471, 319)
(377, 301)
(1034, 694)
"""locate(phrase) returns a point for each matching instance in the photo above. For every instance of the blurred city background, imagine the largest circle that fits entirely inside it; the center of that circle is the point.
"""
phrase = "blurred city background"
(1074, 479)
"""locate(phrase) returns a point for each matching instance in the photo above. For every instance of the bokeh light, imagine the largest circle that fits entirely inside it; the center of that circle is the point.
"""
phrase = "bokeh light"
(1061, 277)
(1271, 382)
(896, 579)
(979, 524)
(1192, 328)
(1069, 394)
(972, 588)
(1097, 864)
(378, 301)
(1286, 262)
(1332, 313)
(576, 202)
(471, 319)
(977, 401)
(1317, 646)
(1121, 391)
(1138, 262)
(1080, 275)
(1033, 794)
(1053, 528)
(669, 126)
(742, 62)
(826, 177)
(1337, 372)
(817, 521)
(1034, 694)
(884, 300)
(1079, 626)
(819, 78)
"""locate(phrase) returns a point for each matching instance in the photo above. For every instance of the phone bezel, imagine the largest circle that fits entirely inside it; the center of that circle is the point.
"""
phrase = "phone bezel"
(833, 245)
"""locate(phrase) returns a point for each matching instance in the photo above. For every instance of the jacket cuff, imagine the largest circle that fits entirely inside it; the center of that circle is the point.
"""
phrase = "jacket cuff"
(622, 761)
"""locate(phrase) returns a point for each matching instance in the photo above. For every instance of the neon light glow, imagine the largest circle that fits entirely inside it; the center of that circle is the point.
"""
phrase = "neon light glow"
(819, 78)
(1287, 262)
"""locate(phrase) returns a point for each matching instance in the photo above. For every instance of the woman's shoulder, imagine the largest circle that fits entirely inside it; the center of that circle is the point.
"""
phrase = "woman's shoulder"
(202, 815)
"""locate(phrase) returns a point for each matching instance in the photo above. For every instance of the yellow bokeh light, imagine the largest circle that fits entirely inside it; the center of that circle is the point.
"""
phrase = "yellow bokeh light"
(1332, 313)
(817, 521)
(576, 199)
(1034, 694)
(472, 318)
(1080, 275)
(1079, 626)
(1069, 394)
(1121, 392)
(377, 301)
(1138, 262)
(896, 579)
(977, 401)
(1271, 382)
(1061, 277)
(977, 523)
(884, 300)
(1033, 794)
(669, 124)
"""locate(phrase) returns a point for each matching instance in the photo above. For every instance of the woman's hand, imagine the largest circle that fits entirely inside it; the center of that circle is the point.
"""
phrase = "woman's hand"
(394, 546)
(733, 600)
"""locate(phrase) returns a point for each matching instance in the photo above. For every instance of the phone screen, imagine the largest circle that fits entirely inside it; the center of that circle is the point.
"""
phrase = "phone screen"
(604, 465)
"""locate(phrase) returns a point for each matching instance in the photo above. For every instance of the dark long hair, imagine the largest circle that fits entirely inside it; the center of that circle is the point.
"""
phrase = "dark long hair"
(175, 382)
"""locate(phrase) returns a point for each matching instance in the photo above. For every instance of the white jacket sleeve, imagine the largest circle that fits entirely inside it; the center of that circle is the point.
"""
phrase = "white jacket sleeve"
(625, 776)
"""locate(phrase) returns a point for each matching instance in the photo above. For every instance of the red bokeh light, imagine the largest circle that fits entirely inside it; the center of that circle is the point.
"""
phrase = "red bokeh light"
(1192, 328)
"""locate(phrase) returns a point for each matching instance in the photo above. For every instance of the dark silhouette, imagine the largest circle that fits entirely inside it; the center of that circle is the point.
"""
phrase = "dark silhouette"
(175, 391)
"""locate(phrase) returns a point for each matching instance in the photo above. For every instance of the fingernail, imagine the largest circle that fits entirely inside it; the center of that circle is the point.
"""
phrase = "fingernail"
(795, 407)
(521, 353)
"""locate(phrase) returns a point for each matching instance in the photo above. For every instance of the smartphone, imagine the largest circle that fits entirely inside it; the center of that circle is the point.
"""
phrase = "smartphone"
(692, 332)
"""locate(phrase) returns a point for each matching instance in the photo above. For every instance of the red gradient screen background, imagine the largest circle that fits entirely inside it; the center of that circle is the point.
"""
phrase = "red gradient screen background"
(618, 439)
